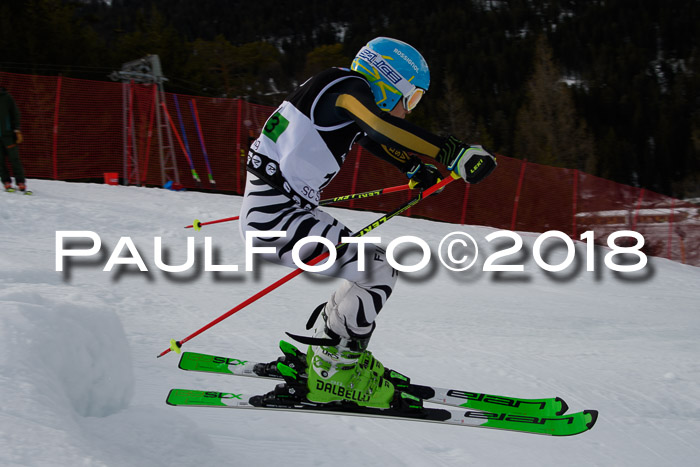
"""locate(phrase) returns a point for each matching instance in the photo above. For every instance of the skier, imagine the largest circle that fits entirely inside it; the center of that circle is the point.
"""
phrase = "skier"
(299, 151)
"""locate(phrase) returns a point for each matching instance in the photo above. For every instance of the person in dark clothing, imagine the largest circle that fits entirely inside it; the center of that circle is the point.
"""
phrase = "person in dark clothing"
(10, 139)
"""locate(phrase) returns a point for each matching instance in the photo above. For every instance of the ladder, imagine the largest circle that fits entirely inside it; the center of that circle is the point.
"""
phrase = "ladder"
(145, 70)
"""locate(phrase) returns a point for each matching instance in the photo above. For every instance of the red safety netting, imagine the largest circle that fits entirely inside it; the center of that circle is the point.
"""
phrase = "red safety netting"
(79, 130)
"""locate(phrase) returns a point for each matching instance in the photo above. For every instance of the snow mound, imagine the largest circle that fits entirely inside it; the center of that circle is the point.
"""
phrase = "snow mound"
(70, 357)
(66, 379)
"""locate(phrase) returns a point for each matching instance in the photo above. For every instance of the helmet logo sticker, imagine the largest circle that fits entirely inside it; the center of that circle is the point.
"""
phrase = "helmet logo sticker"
(407, 59)
(380, 64)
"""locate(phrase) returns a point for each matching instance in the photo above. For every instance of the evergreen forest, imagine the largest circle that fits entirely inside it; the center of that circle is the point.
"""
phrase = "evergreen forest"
(610, 87)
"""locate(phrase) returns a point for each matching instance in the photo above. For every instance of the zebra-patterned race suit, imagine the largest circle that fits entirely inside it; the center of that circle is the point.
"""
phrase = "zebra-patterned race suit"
(300, 150)
(353, 307)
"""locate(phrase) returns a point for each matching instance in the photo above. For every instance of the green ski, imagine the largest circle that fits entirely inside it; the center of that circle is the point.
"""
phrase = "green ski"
(411, 410)
(545, 407)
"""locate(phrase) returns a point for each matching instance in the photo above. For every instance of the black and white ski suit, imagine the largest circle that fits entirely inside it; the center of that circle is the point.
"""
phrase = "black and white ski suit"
(301, 148)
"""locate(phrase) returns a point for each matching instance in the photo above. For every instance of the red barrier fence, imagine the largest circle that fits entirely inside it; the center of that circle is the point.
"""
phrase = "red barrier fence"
(78, 130)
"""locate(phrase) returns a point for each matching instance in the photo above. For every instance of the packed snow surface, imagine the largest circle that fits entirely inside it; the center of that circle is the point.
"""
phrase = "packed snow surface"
(80, 384)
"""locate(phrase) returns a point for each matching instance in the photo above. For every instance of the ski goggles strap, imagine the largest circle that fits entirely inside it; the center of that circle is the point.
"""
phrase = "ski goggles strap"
(411, 94)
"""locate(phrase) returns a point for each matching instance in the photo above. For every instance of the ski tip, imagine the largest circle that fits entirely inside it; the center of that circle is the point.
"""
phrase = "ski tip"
(594, 417)
(564, 406)
(175, 345)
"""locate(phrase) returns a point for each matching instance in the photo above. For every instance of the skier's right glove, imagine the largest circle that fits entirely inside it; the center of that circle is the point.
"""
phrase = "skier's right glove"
(423, 176)
(471, 162)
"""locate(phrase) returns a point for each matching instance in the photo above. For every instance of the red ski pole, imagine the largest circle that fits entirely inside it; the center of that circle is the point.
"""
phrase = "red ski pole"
(176, 345)
(197, 224)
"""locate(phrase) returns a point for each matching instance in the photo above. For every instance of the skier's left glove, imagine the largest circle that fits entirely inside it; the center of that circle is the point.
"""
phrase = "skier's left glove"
(471, 162)
(423, 176)
(18, 137)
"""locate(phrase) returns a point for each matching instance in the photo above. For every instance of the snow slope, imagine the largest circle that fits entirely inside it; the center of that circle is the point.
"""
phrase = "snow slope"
(80, 384)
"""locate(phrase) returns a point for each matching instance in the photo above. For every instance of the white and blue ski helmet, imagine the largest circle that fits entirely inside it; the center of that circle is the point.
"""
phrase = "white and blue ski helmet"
(395, 71)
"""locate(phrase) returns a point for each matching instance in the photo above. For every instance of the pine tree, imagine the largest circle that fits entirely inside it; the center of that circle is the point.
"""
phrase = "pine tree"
(548, 129)
(322, 57)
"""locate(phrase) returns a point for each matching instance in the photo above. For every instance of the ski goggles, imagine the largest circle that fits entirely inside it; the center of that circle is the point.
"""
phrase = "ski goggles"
(411, 101)
(411, 94)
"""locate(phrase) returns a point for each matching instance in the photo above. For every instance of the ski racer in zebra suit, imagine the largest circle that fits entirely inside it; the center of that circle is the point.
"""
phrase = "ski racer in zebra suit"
(301, 148)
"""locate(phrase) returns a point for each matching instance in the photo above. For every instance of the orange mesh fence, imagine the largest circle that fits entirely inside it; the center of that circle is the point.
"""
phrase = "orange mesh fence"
(88, 129)
(79, 130)
(36, 98)
(671, 228)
